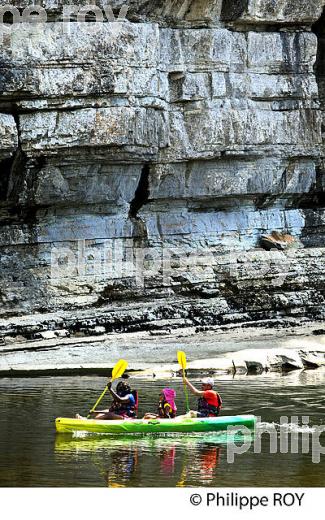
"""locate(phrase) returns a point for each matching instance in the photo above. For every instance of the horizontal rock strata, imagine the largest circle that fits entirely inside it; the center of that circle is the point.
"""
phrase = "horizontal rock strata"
(142, 159)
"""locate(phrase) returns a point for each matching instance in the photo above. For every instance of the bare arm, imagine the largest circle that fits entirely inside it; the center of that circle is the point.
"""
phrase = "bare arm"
(117, 397)
(192, 388)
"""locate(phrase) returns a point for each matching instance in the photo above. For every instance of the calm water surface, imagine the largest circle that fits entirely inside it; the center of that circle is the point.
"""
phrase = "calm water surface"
(32, 454)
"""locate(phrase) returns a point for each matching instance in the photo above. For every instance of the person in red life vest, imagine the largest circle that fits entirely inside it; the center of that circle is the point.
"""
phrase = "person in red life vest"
(209, 402)
(166, 406)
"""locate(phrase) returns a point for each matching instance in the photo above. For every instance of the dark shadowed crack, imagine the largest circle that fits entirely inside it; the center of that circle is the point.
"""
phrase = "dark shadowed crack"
(21, 183)
(141, 198)
(319, 68)
(232, 9)
(5, 169)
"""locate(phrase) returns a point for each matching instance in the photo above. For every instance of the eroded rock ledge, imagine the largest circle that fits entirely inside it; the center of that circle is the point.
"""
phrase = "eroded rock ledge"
(241, 363)
(187, 133)
(224, 350)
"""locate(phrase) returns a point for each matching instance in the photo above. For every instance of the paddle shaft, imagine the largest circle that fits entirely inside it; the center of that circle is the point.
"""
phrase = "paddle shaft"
(97, 403)
(186, 393)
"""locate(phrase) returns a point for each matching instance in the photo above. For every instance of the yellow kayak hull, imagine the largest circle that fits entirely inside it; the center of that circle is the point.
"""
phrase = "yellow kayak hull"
(181, 425)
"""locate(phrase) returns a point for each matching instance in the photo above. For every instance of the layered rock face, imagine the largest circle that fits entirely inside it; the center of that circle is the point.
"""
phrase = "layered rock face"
(143, 158)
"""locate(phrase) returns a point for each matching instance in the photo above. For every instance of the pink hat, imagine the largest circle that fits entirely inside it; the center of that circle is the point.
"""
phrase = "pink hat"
(170, 396)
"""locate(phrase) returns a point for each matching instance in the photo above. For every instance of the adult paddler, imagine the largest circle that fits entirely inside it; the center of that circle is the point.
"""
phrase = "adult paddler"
(209, 402)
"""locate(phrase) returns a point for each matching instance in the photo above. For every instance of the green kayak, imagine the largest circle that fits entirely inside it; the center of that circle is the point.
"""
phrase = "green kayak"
(178, 425)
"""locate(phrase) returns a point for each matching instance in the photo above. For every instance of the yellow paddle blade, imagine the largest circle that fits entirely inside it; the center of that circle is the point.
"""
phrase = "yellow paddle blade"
(181, 357)
(119, 369)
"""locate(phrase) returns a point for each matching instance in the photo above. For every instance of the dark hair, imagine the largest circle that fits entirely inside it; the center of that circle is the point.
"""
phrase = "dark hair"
(123, 389)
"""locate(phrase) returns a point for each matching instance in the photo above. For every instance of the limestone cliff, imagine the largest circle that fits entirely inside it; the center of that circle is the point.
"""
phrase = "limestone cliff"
(141, 160)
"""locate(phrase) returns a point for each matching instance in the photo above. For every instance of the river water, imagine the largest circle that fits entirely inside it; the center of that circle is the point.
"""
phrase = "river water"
(32, 454)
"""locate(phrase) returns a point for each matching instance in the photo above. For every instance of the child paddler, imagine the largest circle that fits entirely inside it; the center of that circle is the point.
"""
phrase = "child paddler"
(209, 402)
(166, 406)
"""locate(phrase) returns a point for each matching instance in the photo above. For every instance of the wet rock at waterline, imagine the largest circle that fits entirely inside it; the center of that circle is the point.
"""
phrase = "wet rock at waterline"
(231, 352)
(141, 162)
(250, 362)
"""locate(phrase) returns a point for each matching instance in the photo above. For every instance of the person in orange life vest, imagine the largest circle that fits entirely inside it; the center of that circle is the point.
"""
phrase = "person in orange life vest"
(209, 403)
